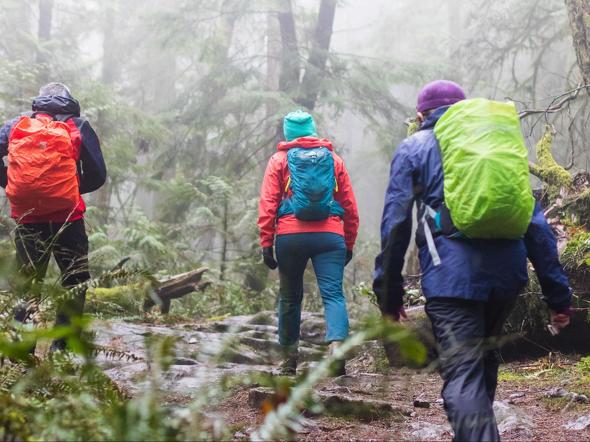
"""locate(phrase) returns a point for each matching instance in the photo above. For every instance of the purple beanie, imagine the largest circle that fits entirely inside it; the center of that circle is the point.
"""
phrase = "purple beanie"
(439, 93)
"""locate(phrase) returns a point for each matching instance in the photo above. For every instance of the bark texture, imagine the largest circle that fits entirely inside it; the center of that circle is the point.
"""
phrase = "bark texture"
(579, 17)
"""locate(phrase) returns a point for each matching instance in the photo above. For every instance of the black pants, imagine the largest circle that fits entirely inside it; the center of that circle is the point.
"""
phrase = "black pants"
(466, 333)
(68, 243)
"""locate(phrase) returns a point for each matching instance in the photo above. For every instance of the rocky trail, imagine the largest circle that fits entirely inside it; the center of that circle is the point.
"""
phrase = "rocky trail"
(541, 399)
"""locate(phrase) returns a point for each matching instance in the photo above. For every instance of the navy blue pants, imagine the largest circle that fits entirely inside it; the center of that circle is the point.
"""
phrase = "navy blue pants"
(466, 332)
(327, 252)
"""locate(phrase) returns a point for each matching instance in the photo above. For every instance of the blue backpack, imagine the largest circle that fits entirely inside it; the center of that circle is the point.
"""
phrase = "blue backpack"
(312, 183)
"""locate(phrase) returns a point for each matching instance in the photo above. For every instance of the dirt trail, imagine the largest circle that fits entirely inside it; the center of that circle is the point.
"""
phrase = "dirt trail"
(373, 402)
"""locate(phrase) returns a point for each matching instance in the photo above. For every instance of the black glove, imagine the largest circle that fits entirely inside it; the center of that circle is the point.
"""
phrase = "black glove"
(348, 257)
(268, 258)
(390, 299)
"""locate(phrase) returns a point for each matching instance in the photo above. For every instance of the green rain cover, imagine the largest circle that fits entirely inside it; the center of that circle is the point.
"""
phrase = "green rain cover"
(486, 173)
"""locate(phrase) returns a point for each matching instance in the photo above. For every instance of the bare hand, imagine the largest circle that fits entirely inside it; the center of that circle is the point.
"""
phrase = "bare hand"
(559, 320)
(401, 315)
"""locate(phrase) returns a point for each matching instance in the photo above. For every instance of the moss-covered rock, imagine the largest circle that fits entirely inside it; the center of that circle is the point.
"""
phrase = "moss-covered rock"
(126, 299)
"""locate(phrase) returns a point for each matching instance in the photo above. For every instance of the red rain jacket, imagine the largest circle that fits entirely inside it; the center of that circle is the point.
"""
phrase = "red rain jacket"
(273, 192)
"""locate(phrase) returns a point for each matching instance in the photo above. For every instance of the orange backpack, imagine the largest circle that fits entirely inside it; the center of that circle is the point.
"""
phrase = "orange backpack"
(42, 171)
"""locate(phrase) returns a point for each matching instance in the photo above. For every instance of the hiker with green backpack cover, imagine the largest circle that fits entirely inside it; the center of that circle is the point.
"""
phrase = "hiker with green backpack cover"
(307, 211)
(467, 171)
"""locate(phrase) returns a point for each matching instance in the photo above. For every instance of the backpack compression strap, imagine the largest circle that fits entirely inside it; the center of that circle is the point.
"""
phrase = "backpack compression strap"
(430, 212)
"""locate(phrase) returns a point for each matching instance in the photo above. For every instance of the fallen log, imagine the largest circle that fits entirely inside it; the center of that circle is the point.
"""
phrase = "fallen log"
(141, 296)
(176, 287)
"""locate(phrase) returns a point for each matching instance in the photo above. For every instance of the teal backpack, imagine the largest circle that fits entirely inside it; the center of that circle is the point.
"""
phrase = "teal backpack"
(312, 182)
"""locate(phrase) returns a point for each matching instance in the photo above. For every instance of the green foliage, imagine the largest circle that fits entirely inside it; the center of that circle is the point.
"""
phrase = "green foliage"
(576, 254)
(583, 365)
(224, 298)
(119, 300)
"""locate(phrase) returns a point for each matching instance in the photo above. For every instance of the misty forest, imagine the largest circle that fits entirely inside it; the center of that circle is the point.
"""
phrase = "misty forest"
(173, 322)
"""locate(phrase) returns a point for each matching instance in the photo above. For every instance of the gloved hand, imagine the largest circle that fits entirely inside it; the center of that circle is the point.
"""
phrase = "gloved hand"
(390, 300)
(268, 258)
(348, 257)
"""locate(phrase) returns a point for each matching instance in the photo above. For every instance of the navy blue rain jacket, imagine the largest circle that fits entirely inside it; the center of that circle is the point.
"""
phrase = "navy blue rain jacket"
(470, 269)
(93, 172)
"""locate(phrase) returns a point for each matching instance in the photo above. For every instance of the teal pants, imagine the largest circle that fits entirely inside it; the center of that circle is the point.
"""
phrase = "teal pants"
(327, 252)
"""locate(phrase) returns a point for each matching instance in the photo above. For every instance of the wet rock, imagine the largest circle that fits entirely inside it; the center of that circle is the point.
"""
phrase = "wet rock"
(313, 329)
(264, 345)
(428, 431)
(310, 353)
(205, 353)
(257, 396)
(580, 423)
(185, 361)
(263, 318)
(241, 355)
(363, 409)
(559, 392)
(510, 418)
(338, 404)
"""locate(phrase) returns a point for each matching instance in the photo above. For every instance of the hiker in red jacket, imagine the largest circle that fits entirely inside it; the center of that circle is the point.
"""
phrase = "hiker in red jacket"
(53, 156)
(308, 210)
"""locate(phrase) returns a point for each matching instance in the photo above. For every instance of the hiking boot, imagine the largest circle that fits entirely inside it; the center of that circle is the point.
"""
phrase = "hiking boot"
(288, 366)
(338, 367)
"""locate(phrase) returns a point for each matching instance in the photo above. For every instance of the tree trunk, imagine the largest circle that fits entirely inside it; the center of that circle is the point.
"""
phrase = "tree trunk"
(109, 74)
(110, 65)
(289, 77)
(320, 49)
(225, 239)
(579, 17)
(273, 53)
(455, 9)
(44, 35)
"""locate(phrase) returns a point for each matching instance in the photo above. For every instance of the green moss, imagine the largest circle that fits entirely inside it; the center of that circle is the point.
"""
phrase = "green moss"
(579, 208)
(413, 127)
(576, 254)
(506, 375)
(114, 300)
(583, 365)
(547, 169)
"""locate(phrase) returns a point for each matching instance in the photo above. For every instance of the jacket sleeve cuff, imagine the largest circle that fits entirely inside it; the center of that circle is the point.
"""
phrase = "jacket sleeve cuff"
(564, 309)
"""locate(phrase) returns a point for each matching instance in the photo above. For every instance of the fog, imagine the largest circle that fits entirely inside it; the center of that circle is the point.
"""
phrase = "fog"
(186, 97)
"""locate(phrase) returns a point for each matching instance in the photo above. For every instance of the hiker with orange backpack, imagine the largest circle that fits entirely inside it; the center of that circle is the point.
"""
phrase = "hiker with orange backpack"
(53, 156)
(307, 211)
(467, 170)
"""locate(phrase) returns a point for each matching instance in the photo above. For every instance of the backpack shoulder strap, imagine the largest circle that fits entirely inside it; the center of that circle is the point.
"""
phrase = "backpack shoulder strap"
(62, 117)
(59, 117)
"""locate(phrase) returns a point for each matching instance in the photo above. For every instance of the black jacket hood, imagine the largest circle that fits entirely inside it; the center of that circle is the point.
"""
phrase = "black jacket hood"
(56, 105)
